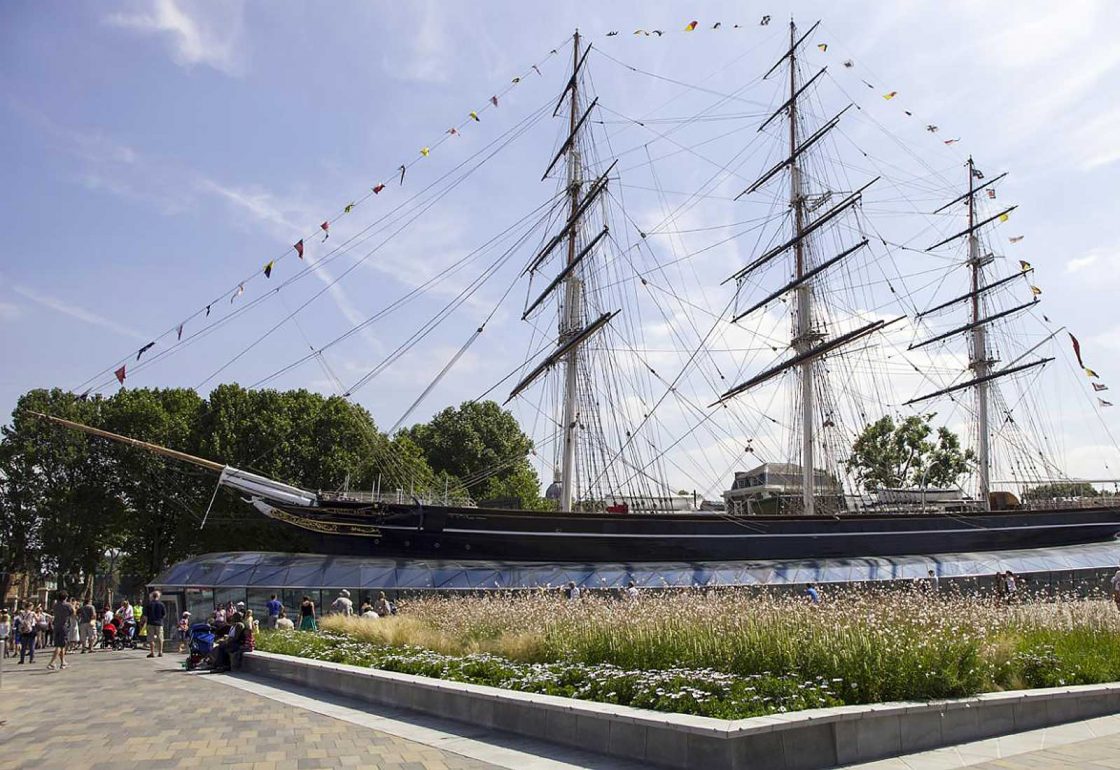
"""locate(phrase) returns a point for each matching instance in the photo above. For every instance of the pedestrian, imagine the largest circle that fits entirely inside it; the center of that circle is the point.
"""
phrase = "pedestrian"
(28, 629)
(155, 612)
(5, 632)
(812, 594)
(342, 605)
(284, 623)
(367, 611)
(631, 591)
(128, 620)
(219, 615)
(63, 614)
(43, 626)
(382, 606)
(274, 606)
(307, 615)
(183, 630)
(932, 581)
(73, 635)
(1116, 589)
(87, 626)
(251, 623)
(1001, 588)
(572, 591)
(1012, 585)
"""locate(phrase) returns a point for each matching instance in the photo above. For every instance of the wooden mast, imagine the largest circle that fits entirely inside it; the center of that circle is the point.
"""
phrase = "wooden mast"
(978, 357)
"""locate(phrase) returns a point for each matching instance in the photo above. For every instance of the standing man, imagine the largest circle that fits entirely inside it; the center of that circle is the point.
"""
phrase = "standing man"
(63, 614)
(274, 606)
(27, 624)
(155, 612)
(87, 626)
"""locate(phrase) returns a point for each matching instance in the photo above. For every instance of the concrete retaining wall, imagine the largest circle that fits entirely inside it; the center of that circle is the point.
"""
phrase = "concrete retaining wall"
(818, 738)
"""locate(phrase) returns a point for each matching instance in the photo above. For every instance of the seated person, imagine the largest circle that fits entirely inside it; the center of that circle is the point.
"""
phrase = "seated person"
(238, 639)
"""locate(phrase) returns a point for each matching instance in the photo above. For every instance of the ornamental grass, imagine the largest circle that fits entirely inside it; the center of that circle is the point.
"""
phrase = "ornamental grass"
(735, 652)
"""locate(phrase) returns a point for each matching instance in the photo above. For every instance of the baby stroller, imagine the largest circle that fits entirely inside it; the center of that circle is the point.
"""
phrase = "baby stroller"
(109, 638)
(200, 641)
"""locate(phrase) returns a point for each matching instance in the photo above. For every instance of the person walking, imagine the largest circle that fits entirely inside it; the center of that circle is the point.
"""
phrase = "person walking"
(274, 606)
(5, 632)
(1116, 589)
(307, 615)
(284, 623)
(63, 615)
(73, 636)
(155, 612)
(28, 628)
(87, 626)
(183, 630)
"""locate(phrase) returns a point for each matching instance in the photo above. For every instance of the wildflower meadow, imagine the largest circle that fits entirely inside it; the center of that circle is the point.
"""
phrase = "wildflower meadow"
(733, 653)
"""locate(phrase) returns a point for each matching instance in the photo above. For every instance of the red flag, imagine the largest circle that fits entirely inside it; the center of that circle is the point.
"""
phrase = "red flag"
(691, 26)
(120, 375)
(378, 189)
(299, 248)
(1076, 349)
(180, 332)
(326, 228)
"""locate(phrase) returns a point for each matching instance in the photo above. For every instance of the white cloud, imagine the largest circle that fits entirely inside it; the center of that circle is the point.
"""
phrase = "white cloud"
(75, 311)
(1081, 263)
(430, 49)
(211, 36)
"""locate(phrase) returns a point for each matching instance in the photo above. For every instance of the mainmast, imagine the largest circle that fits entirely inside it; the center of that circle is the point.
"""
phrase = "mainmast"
(803, 338)
(571, 317)
(978, 356)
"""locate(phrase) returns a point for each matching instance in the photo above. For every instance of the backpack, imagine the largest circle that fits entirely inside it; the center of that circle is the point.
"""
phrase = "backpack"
(27, 624)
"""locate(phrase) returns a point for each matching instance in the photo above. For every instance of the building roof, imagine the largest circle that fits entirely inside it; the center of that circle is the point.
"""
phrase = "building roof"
(256, 569)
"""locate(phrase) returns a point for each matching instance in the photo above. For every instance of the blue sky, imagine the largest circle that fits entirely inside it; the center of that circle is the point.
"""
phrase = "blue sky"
(155, 154)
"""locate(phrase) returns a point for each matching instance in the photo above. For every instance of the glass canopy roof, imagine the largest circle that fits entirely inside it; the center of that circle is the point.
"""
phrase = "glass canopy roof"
(262, 570)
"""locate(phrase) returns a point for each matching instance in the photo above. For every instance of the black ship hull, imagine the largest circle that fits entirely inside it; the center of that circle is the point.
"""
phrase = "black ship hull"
(351, 528)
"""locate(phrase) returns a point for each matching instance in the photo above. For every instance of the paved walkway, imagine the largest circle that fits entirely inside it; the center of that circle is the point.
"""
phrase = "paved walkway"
(111, 706)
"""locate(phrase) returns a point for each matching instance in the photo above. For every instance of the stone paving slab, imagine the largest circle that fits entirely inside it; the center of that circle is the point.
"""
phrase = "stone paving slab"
(118, 710)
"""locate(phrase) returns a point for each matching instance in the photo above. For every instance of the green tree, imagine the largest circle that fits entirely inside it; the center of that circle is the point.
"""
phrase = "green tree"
(482, 445)
(908, 454)
(1061, 489)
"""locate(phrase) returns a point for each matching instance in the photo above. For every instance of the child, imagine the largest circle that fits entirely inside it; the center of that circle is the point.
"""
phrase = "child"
(183, 630)
(5, 632)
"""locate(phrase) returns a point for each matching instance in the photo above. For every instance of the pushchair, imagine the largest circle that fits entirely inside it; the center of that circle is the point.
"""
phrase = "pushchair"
(200, 643)
(109, 637)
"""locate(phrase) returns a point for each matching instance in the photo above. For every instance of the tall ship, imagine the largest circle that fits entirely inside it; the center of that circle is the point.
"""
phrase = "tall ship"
(827, 321)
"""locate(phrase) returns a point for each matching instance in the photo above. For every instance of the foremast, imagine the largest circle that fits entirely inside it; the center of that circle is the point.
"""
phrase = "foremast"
(979, 362)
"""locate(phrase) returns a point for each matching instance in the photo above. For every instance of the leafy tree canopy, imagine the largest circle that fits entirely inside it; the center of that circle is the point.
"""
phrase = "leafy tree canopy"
(908, 454)
(1061, 489)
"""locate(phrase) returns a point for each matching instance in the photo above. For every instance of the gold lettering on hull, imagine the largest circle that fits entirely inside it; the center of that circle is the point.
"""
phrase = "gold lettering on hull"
(326, 527)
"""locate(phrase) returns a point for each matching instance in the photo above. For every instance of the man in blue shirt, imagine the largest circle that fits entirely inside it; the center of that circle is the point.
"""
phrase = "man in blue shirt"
(812, 594)
(156, 613)
(274, 607)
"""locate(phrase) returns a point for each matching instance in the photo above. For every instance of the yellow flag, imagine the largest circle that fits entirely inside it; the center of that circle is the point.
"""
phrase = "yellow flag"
(822, 46)
(474, 116)
(348, 209)
(1035, 290)
(691, 26)
(890, 95)
(1090, 373)
(1004, 217)
(425, 151)
(1024, 265)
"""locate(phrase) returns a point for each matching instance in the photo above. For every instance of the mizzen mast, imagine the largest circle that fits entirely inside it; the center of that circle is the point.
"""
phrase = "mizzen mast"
(978, 353)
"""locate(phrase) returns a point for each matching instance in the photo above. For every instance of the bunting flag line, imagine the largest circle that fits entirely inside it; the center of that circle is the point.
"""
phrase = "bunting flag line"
(691, 26)
(991, 193)
(1024, 265)
(612, 34)
(494, 100)
(349, 208)
(932, 128)
(537, 70)
(890, 95)
(1035, 290)
(208, 309)
(425, 151)
(1077, 350)
(822, 46)
(377, 190)
(453, 131)
(238, 293)
(1099, 386)
(1016, 238)
(717, 25)
(298, 246)
(1103, 402)
(515, 81)
(1004, 217)
(952, 141)
(268, 268)
(848, 63)
(326, 228)
(144, 350)
(179, 336)
(765, 21)
(120, 374)
(402, 169)
(1090, 373)
(474, 116)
